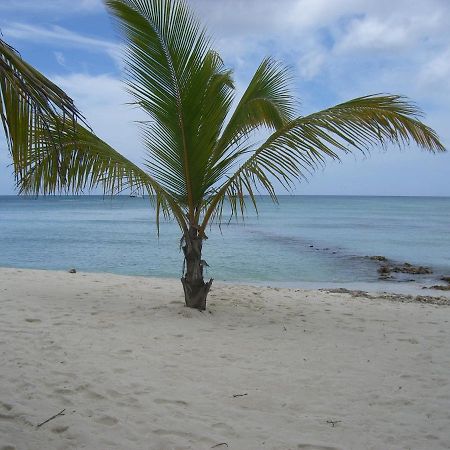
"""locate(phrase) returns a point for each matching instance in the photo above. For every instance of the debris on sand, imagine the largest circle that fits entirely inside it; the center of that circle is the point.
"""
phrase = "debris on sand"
(440, 287)
(402, 298)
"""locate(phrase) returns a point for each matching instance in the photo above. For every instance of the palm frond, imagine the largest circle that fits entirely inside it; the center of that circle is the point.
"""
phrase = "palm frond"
(172, 74)
(267, 103)
(303, 144)
(208, 111)
(28, 100)
(82, 161)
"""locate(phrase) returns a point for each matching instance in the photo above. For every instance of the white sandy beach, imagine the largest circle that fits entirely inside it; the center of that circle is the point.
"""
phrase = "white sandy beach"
(264, 368)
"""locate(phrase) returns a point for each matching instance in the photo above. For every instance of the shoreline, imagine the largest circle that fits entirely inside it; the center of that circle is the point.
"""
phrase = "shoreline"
(325, 240)
(375, 289)
(262, 368)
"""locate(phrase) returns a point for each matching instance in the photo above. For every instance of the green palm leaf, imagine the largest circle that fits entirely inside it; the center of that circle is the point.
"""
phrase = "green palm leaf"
(267, 103)
(28, 101)
(181, 83)
(82, 161)
(295, 150)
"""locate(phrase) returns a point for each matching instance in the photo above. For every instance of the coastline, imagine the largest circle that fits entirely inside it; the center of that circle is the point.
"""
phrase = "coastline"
(316, 240)
(376, 289)
(271, 368)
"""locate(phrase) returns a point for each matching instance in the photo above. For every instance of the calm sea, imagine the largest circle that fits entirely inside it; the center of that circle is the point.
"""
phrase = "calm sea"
(304, 239)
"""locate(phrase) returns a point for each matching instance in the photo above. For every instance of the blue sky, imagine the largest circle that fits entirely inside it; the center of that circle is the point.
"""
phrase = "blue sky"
(338, 50)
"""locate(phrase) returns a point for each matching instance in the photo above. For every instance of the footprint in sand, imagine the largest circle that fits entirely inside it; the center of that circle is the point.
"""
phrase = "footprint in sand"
(125, 351)
(7, 417)
(410, 340)
(163, 401)
(315, 447)
(106, 420)
(64, 391)
(185, 313)
(94, 395)
(58, 429)
(223, 427)
(6, 406)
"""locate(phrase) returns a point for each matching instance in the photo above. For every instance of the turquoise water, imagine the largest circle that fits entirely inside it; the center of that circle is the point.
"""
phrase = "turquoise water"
(303, 239)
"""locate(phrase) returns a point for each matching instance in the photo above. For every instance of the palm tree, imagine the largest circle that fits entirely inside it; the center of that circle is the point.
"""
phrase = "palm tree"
(201, 154)
(29, 104)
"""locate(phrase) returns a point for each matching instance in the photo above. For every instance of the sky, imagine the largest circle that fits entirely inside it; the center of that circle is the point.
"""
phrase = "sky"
(338, 50)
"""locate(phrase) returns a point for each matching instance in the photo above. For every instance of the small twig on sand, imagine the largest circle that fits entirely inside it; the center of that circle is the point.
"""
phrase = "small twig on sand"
(218, 445)
(239, 395)
(61, 413)
(333, 422)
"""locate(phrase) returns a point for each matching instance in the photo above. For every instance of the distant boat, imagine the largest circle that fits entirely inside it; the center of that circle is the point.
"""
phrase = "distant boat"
(132, 195)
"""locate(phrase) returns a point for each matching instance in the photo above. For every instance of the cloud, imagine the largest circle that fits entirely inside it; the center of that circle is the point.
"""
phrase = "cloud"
(104, 102)
(60, 59)
(371, 33)
(61, 37)
(56, 35)
(436, 69)
(391, 33)
(43, 6)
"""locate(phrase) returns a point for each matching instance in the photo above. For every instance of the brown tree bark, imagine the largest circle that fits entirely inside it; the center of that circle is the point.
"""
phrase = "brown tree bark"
(195, 288)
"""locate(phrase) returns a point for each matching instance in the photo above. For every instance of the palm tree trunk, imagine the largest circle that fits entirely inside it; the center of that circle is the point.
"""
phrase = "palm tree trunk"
(195, 288)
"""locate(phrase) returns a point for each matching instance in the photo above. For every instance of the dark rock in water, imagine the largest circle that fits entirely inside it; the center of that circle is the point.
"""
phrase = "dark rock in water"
(447, 279)
(441, 287)
(378, 258)
(384, 271)
(409, 268)
(72, 271)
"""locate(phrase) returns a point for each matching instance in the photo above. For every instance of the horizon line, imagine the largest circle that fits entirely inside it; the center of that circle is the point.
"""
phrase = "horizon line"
(258, 195)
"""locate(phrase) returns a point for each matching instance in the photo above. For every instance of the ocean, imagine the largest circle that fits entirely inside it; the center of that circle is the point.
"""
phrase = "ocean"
(303, 241)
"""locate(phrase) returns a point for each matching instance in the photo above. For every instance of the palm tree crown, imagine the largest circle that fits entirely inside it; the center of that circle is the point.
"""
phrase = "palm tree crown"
(200, 152)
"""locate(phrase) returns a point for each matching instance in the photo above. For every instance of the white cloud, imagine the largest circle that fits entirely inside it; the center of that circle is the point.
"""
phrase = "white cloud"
(257, 17)
(62, 6)
(59, 36)
(56, 35)
(354, 47)
(103, 101)
(436, 69)
(373, 33)
(60, 59)
(391, 32)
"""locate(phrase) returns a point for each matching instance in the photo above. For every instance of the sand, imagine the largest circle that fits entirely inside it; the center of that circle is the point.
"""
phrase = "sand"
(264, 368)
